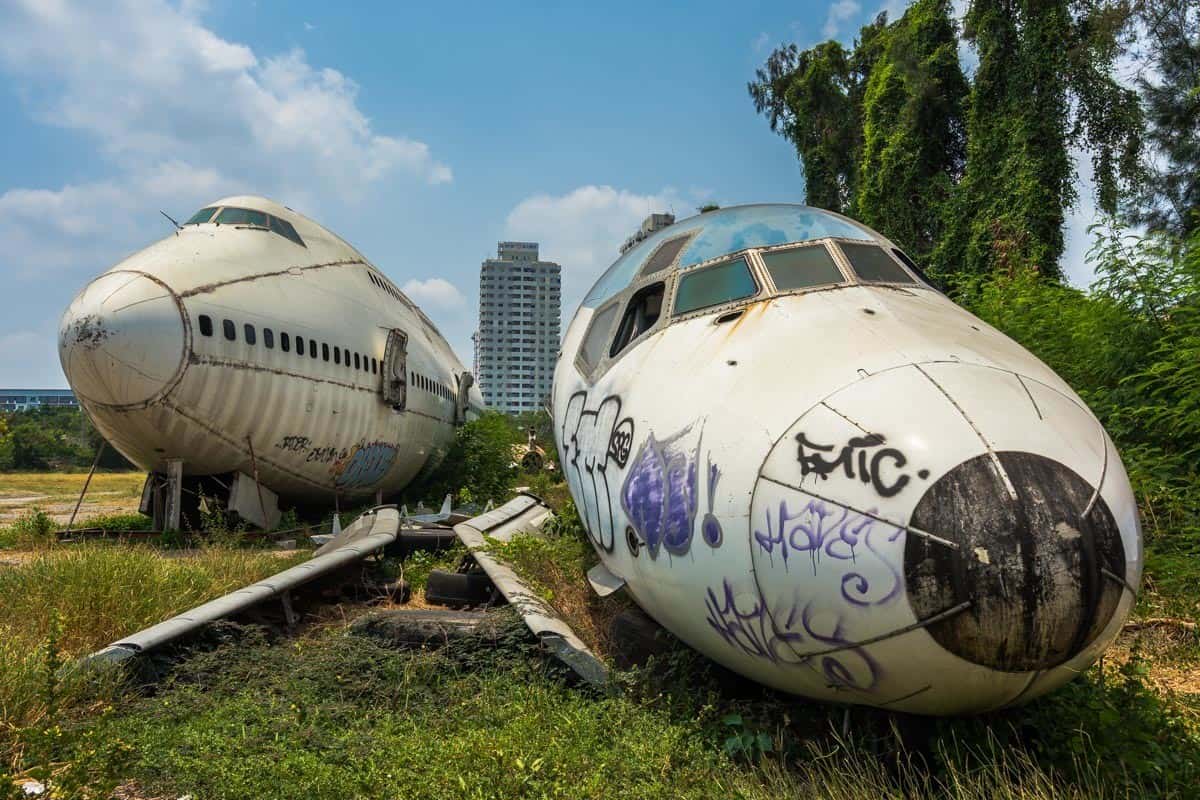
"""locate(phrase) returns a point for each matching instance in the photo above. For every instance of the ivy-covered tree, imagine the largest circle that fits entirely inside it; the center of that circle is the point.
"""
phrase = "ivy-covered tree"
(1043, 86)
(914, 136)
(813, 98)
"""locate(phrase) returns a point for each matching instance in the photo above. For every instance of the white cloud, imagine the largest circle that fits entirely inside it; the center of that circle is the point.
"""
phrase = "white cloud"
(434, 293)
(181, 115)
(170, 115)
(839, 12)
(583, 229)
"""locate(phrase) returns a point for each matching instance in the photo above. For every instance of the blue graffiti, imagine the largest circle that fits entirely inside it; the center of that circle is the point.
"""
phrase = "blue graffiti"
(835, 531)
(365, 465)
(753, 631)
(660, 495)
(710, 526)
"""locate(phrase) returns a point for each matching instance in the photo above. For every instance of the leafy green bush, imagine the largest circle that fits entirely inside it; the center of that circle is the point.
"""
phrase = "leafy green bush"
(480, 462)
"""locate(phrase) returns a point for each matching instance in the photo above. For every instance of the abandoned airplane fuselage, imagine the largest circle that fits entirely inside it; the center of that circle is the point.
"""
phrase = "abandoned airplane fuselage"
(253, 343)
(826, 476)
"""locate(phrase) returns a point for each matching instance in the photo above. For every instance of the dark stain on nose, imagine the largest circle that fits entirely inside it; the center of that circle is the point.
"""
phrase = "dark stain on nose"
(1033, 569)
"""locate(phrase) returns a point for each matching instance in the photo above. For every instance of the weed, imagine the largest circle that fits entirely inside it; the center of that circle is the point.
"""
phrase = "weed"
(34, 528)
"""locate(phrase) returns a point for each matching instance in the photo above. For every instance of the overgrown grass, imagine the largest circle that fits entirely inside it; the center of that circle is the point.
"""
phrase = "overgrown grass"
(72, 600)
(336, 716)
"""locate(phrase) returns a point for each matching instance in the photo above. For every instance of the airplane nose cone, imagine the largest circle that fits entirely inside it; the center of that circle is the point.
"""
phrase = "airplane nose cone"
(946, 528)
(1039, 569)
(123, 340)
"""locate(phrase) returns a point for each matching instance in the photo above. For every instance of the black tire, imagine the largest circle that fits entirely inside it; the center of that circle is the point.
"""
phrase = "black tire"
(459, 589)
(431, 540)
(636, 637)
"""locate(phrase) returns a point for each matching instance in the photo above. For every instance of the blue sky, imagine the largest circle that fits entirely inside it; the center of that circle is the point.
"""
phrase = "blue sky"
(421, 133)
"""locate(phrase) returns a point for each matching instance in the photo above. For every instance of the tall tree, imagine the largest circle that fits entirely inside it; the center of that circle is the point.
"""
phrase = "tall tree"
(813, 98)
(1170, 200)
(1044, 85)
(914, 135)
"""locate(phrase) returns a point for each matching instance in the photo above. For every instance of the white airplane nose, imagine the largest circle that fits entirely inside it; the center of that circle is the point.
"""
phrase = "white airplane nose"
(123, 340)
(978, 506)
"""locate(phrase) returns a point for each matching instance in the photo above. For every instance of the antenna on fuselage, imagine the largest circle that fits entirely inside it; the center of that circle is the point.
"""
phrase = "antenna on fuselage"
(178, 227)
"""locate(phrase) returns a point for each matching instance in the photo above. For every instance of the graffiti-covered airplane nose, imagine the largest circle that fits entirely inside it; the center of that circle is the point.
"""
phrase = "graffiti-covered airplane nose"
(977, 507)
(819, 471)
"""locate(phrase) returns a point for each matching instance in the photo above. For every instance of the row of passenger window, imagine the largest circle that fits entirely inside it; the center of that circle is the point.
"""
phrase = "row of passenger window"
(384, 286)
(430, 385)
(311, 347)
(247, 217)
(806, 266)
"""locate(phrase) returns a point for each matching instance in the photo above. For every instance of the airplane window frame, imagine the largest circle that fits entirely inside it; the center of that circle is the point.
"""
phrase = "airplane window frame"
(229, 329)
(265, 225)
(846, 277)
(618, 347)
(206, 325)
(285, 342)
(268, 337)
(249, 334)
(603, 335)
(725, 261)
(193, 220)
(324, 351)
(843, 247)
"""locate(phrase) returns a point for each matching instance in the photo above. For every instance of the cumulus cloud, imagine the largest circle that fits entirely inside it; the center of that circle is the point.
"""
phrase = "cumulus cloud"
(178, 113)
(583, 229)
(434, 293)
(839, 12)
(172, 115)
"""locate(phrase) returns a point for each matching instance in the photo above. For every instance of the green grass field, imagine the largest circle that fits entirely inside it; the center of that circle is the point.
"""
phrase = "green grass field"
(55, 493)
(326, 715)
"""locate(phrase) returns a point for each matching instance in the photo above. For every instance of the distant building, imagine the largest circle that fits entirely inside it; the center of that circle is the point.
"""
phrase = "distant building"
(651, 224)
(25, 399)
(517, 341)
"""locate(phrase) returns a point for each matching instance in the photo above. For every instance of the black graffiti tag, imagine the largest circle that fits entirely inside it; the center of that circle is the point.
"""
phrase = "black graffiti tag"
(294, 444)
(870, 465)
(621, 442)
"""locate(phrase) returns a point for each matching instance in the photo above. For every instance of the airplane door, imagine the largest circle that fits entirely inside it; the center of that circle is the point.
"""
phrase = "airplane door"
(465, 381)
(395, 370)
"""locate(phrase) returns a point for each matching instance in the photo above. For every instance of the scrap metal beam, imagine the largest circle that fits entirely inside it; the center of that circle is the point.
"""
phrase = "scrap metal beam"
(370, 532)
(526, 514)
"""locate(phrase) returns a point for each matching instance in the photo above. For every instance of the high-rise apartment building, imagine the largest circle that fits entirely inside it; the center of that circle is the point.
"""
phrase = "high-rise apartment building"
(517, 341)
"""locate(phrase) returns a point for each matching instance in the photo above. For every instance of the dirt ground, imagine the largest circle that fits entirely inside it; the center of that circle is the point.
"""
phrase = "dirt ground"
(56, 493)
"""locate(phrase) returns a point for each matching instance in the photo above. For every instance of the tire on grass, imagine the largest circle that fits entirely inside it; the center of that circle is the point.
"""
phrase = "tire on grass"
(460, 589)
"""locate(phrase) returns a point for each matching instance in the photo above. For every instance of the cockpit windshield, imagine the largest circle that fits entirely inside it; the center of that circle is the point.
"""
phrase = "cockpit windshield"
(203, 215)
(247, 217)
(242, 216)
(729, 230)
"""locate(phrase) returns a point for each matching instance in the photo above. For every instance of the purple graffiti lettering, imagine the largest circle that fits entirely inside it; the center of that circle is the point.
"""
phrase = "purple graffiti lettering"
(826, 529)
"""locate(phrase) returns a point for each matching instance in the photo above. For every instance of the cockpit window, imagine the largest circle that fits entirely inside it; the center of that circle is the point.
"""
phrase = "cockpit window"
(712, 286)
(665, 255)
(592, 349)
(203, 215)
(285, 229)
(802, 268)
(241, 216)
(641, 313)
(874, 265)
